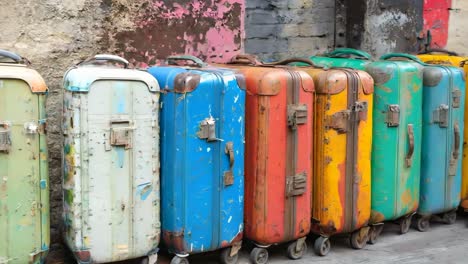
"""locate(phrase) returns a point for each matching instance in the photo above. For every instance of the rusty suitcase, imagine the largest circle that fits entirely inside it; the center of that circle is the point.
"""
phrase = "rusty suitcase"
(341, 194)
(277, 158)
(24, 182)
(111, 161)
(202, 158)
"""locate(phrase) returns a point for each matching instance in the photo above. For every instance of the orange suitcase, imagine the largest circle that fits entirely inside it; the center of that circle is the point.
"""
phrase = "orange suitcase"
(278, 150)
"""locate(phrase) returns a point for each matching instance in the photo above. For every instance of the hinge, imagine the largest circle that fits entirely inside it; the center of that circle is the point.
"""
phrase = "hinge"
(121, 134)
(297, 115)
(441, 115)
(339, 121)
(456, 98)
(296, 185)
(393, 116)
(5, 137)
(207, 130)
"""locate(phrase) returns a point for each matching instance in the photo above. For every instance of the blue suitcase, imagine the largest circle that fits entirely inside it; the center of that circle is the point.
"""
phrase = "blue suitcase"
(443, 115)
(202, 158)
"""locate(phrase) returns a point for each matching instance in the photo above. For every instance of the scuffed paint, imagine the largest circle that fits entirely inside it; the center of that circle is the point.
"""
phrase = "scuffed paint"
(211, 30)
(436, 19)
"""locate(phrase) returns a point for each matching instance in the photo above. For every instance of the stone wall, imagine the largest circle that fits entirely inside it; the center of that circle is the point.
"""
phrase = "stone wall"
(277, 29)
(55, 34)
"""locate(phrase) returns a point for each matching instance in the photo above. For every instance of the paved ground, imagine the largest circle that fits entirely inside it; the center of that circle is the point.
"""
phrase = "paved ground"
(443, 244)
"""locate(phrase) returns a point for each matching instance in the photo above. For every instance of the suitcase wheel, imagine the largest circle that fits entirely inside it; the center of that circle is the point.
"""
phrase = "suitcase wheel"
(322, 246)
(296, 251)
(422, 223)
(374, 233)
(259, 256)
(226, 257)
(450, 218)
(405, 224)
(359, 239)
(179, 260)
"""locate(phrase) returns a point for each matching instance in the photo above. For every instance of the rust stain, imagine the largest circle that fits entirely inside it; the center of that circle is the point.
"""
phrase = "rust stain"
(376, 217)
(174, 240)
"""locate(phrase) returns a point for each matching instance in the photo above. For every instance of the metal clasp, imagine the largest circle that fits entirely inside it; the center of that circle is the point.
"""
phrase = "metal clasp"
(5, 138)
(456, 98)
(393, 116)
(340, 121)
(208, 130)
(360, 108)
(296, 185)
(441, 115)
(121, 134)
(297, 115)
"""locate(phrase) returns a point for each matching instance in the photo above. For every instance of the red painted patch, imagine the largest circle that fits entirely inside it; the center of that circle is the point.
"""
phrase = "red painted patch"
(436, 19)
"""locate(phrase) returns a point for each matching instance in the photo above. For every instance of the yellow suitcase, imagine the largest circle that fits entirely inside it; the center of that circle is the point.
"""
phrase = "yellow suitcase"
(444, 57)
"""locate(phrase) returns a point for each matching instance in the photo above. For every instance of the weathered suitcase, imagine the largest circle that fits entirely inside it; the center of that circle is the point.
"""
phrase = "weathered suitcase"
(343, 58)
(202, 159)
(111, 161)
(396, 148)
(24, 180)
(443, 125)
(278, 153)
(341, 186)
(396, 137)
(438, 56)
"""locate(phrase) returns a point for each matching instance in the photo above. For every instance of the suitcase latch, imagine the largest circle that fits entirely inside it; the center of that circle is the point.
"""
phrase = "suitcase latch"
(296, 185)
(456, 98)
(360, 108)
(208, 130)
(121, 134)
(339, 121)
(229, 175)
(5, 137)
(393, 116)
(297, 115)
(441, 115)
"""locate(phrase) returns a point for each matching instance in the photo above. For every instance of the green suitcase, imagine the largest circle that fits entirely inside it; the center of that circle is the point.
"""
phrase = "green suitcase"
(344, 58)
(24, 194)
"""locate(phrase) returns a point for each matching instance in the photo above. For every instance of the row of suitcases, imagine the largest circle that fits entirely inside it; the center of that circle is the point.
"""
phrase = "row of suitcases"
(329, 145)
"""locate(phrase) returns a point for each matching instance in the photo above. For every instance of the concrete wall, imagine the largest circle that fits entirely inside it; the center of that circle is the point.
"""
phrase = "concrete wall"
(458, 30)
(382, 26)
(277, 29)
(55, 34)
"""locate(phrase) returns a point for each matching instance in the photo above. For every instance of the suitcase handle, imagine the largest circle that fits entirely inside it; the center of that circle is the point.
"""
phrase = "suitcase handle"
(245, 59)
(436, 50)
(107, 57)
(402, 55)
(341, 52)
(409, 156)
(198, 62)
(229, 175)
(13, 56)
(456, 132)
(293, 60)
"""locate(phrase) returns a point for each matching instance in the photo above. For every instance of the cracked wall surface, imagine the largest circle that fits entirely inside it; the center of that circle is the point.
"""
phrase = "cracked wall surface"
(56, 34)
(277, 29)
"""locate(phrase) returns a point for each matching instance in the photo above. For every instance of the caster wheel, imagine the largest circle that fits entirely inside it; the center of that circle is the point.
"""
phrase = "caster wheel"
(145, 261)
(405, 225)
(259, 256)
(179, 260)
(374, 233)
(293, 253)
(422, 224)
(450, 218)
(358, 239)
(226, 257)
(322, 246)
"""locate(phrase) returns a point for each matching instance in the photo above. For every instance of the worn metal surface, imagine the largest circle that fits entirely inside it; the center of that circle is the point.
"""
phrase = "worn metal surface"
(396, 148)
(343, 139)
(436, 19)
(202, 165)
(277, 154)
(24, 180)
(111, 163)
(456, 61)
(443, 125)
